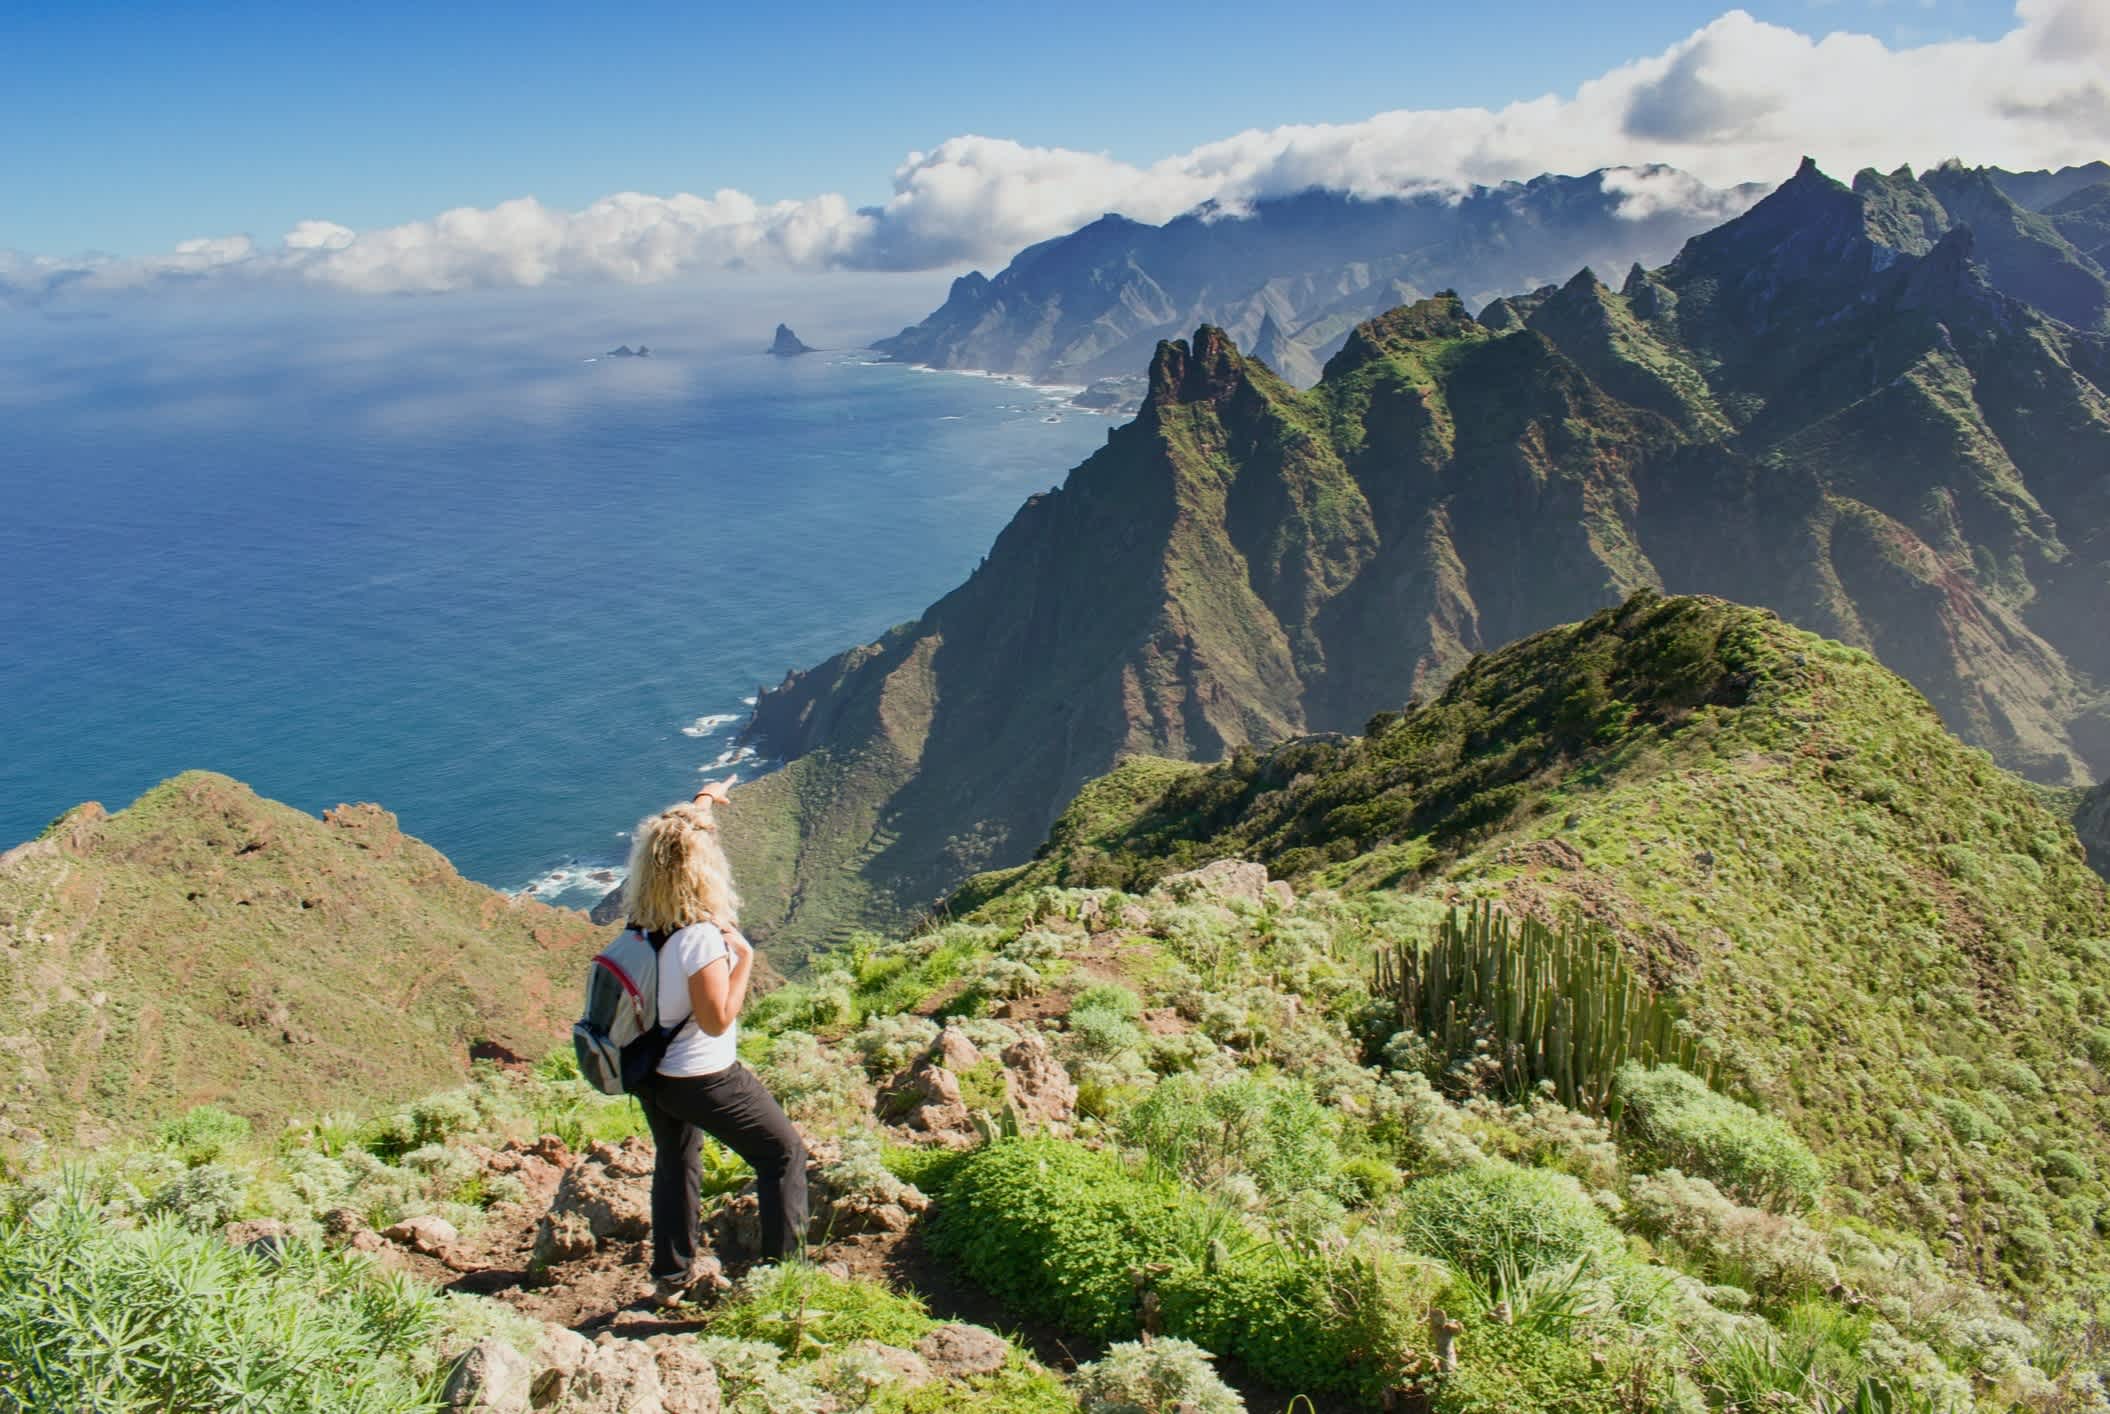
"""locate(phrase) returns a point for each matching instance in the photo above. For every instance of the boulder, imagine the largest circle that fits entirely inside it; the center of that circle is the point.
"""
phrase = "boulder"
(491, 1378)
(429, 1235)
(903, 1367)
(339, 1224)
(958, 1350)
(560, 1354)
(1224, 880)
(1040, 1087)
(561, 1237)
(688, 1381)
(617, 1377)
(262, 1237)
(610, 1190)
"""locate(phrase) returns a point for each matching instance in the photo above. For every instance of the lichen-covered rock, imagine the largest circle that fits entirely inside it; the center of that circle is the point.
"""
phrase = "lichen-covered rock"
(429, 1235)
(491, 1378)
(560, 1354)
(688, 1381)
(617, 1377)
(877, 1363)
(958, 1350)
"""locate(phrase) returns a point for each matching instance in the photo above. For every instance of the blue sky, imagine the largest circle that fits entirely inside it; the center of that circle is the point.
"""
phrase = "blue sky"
(136, 126)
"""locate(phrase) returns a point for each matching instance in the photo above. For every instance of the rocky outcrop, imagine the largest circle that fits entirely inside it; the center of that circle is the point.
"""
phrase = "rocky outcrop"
(1227, 880)
(954, 1093)
(608, 1375)
(960, 1351)
(492, 1378)
(605, 1197)
(428, 1235)
(787, 344)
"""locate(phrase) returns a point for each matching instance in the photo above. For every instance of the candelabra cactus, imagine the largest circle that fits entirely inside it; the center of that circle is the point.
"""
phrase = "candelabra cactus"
(1555, 1004)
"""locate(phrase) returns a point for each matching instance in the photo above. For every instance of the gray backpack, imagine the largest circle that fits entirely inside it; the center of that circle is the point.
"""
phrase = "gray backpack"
(619, 1040)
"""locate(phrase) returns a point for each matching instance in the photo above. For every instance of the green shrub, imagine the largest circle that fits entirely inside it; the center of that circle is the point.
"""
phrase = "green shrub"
(94, 1316)
(203, 1133)
(1205, 1129)
(1525, 1369)
(1103, 1022)
(1158, 1378)
(1302, 1320)
(1496, 1220)
(1670, 1119)
(202, 1198)
(802, 1310)
(1778, 1256)
(1053, 1229)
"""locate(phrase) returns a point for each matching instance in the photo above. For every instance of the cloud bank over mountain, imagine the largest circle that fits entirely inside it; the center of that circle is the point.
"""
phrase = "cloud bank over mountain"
(1739, 100)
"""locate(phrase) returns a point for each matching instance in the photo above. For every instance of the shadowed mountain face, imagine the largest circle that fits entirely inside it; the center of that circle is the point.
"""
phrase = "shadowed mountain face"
(1289, 279)
(205, 944)
(1818, 408)
(2092, 823)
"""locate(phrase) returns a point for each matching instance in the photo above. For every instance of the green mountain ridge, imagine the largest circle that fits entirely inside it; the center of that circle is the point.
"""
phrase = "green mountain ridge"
(1798, 412)
(207, 945)
(1865, 920)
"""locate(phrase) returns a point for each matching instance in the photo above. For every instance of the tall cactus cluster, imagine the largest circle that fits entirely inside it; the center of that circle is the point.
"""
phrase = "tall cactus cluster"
(1556, 1004)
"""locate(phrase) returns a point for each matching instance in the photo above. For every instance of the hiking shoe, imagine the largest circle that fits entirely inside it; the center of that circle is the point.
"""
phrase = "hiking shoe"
(670, 1292)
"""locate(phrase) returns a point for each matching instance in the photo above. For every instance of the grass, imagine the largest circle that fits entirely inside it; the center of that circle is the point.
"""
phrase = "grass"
(247, 955)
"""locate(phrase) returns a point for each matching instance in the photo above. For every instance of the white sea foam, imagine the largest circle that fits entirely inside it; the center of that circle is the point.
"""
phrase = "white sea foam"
(747, 701)
(731, 756)
(711, 724)
(572, 877)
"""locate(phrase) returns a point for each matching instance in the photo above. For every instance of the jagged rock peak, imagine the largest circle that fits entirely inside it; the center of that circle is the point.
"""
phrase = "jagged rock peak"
(788, 344)
(1203, 370)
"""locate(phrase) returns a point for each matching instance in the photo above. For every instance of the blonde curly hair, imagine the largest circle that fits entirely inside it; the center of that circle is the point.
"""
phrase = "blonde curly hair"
(678, 871)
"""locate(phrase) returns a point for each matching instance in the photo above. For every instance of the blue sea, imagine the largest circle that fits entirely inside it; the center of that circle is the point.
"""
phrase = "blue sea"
(451, 558)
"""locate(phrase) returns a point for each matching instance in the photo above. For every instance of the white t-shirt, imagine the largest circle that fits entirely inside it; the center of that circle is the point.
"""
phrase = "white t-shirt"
(693, 1052)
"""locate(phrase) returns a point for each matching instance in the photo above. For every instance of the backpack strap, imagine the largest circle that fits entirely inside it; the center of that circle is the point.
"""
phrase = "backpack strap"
(658, 939)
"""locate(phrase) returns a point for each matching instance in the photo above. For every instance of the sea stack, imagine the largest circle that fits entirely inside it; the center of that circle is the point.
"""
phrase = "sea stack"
(787, 344)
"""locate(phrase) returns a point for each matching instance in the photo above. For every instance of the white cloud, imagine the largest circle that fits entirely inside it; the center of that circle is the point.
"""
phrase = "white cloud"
(1737, 101)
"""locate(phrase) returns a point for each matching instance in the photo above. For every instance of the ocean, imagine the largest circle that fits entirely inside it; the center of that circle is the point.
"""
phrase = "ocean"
(458, 561)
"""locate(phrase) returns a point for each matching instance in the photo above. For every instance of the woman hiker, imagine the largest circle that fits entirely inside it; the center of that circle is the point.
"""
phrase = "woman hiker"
(681, 887)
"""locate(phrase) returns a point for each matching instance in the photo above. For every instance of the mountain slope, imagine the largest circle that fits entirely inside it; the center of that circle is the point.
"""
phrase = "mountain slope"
(1797, 413)
(2042, 189)
(1292, 276)
(1889, 940)
(2091, 820)
(205, 944)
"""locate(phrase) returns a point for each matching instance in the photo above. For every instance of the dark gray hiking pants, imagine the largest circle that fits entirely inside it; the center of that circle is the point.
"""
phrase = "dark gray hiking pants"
(737, 1110)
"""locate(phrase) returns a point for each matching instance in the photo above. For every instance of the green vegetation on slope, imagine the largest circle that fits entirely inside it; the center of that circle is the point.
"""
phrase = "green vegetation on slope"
(1260, 1165)
(208, 945)
(1874, 929)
